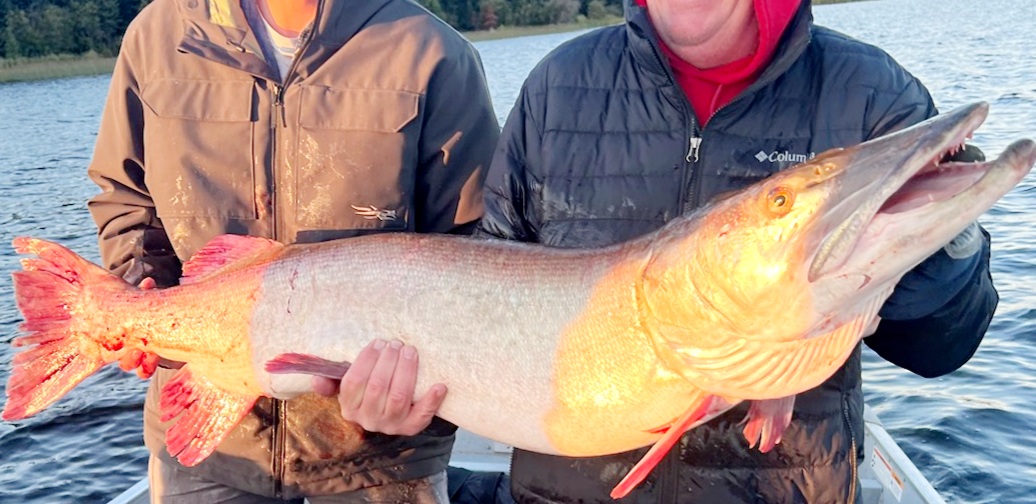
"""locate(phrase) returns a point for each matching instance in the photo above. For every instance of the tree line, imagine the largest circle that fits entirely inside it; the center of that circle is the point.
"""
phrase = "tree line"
(34, 28)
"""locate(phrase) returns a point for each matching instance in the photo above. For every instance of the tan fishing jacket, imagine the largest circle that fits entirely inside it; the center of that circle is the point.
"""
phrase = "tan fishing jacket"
(383, 123)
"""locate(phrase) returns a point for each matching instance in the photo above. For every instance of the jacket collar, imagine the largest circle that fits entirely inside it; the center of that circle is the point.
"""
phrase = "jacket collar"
(217, 30)
(643, 42)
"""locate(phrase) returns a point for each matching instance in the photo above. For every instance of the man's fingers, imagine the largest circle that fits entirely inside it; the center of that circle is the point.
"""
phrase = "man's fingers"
(377, 391)
(148, 365)
(423, 411)
(400, 395)
(147, 284)
(145, 363)
(375, 395)
(130, 360)
(325, 386)
(354, 383)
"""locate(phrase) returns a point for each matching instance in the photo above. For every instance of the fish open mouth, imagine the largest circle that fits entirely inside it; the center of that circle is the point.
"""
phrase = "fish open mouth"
(902, 187)
(937, 181)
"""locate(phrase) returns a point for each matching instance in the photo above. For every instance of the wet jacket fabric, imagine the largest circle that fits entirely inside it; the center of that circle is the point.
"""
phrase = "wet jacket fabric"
(602, 146)
(383, 124)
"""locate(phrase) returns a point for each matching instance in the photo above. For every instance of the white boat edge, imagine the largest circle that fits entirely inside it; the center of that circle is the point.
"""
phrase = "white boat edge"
(887, 475)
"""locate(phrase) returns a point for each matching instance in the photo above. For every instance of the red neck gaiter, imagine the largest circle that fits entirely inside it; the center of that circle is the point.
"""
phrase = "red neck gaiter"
(711, 88)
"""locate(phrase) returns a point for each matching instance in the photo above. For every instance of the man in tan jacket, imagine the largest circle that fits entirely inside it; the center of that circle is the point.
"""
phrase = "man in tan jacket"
(301, 121)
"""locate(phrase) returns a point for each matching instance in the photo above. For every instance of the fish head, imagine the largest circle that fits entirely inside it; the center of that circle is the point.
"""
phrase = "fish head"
(782, 258)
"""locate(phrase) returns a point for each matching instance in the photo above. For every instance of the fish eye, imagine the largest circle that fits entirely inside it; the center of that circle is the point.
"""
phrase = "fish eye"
(779, 200)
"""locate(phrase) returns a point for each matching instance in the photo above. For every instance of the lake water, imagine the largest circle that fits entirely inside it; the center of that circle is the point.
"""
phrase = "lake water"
(971, 433)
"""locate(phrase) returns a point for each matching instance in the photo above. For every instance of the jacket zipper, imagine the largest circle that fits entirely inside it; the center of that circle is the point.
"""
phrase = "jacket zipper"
(278, 448)
(692, 161)
(852, 452)
(280, 121)
(669, 482)
(277, 414)
(694, 139)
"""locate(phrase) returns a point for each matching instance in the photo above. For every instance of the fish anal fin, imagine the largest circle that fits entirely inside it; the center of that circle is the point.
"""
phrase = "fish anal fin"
(766, 422)
(226, 253)
(289, 363)
(205, 415)
(699, 409)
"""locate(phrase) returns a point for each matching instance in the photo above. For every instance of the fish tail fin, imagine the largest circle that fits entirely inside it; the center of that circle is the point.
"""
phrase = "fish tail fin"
(289, 363)
(206, 415)
(49, 291)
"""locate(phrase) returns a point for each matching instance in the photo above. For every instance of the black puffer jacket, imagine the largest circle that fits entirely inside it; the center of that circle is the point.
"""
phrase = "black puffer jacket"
(598, 150)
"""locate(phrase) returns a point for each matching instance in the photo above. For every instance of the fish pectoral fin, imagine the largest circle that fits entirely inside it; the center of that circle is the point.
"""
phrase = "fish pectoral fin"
(758, 369)
(226, 253)
(766, 421)
(702, 407)
(289, 363)
(206, 412)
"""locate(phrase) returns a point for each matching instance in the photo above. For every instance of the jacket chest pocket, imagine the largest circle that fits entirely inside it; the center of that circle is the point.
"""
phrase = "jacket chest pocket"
(356, 158)
(744, 167)
(198, 149)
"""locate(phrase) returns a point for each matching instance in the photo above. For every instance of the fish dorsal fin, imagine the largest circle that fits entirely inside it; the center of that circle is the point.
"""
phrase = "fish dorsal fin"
(226, 253)
(205, 414)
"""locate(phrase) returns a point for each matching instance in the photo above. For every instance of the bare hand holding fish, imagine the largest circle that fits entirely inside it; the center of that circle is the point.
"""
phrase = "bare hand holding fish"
(377, 391)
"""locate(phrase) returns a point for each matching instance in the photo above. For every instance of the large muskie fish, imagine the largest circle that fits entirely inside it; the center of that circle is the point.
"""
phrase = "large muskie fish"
(758, 296)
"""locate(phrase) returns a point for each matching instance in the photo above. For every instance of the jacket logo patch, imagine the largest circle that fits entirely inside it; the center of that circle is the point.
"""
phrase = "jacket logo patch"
(783, 157)
(372, 212)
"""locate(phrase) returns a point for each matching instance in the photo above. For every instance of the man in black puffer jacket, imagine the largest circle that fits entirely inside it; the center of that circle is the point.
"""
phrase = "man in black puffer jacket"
(624, 128)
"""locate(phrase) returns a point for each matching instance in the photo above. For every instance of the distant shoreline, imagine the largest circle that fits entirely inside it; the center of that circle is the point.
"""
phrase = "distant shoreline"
(67, 65)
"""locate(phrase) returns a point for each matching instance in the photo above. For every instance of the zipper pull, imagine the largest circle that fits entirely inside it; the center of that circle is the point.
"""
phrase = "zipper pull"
(278, 102)
(693, 152)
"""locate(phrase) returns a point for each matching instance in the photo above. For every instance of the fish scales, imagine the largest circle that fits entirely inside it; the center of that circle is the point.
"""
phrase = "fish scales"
(512, 316)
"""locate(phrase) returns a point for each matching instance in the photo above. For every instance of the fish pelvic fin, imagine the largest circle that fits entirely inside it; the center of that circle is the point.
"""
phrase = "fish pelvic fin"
(701, 409)
(290, 363)
(766, 422)
(227, 253)
(206, 413)
(54, 292)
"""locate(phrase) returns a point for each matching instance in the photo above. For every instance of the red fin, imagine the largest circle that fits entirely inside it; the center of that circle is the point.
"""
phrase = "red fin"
(306, 364)
(226, 253)
(209, 414)
(766, 421)
(698, 410)
(48, 292)
(660, 429)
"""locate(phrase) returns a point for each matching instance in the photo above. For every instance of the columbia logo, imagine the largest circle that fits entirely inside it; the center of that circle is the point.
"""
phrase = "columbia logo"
(371, 212)
(783, 156)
